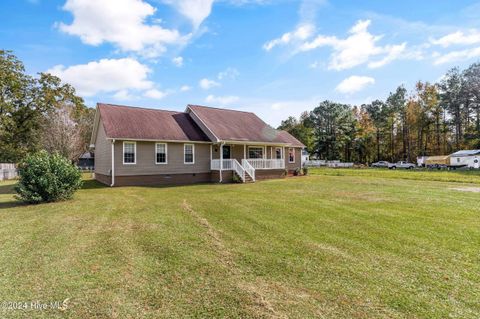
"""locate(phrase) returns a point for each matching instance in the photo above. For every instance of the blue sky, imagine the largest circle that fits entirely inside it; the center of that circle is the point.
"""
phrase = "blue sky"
(275, 58)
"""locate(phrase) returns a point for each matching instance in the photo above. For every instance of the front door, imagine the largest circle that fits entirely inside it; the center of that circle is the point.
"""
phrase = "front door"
(226, 151)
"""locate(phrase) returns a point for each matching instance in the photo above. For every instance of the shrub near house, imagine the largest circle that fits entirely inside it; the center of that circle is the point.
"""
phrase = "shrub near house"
(47, 177)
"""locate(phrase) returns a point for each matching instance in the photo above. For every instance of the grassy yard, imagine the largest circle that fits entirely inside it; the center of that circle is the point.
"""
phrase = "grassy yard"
(336, 244)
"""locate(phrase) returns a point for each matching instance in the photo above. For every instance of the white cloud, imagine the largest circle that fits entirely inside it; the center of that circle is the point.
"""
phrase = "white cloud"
(356, 49)
(155, 94)
(121, 23)
(301, 33)
(185, 88)
(123, 95)
(229, 73)
(194, 10)
(105, 75)
(459, 55)
(354, 84)
(393, 52)
(458, 38)
(207, 84)
(178, 61)
(221, 100)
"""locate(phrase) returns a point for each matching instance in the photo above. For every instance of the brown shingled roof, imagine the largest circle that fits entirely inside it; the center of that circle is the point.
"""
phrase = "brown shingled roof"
(290, 139)
(148, 124)
(232, 125)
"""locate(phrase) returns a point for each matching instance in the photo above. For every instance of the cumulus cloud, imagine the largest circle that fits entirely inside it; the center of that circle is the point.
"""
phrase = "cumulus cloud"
(207, 84)
(301, 33)
(458, 38)
(354, 84)
(453, 56)
(178, 61)
(105, 75)
(228, 73)
(185, 88)
(154, 94)
(358, 48)
(194, 10)
(122, 23)
(123, 95)
(221, 100)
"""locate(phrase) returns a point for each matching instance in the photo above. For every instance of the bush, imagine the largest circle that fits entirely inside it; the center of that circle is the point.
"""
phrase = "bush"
(296, 172)
(236, 178)
(305, 170)
(47, 178)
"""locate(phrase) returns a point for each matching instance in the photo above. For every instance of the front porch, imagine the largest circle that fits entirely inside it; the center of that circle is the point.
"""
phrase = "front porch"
(244, 160)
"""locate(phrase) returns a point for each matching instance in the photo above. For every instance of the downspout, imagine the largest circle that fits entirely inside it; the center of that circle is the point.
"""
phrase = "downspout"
(113, 163)
(221, 160)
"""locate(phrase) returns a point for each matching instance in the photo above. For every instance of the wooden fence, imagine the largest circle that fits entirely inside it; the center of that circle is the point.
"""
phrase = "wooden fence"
(8, 171)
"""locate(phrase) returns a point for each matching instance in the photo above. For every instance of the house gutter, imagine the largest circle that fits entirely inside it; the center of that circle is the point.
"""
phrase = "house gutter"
(113, 163)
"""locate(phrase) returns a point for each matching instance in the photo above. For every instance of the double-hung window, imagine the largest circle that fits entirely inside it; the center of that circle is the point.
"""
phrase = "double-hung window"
(129, 152)
(278, 153)
(188, 153)
(291, 155)
(255, 152)
(161, 153)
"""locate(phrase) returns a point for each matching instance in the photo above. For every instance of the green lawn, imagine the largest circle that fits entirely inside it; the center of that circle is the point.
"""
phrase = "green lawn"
(336, 244)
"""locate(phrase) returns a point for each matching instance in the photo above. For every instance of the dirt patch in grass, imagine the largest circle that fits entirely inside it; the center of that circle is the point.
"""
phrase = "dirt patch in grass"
(467, 189)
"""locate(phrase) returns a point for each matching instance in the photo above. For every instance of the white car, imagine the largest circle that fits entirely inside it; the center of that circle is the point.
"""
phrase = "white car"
(384, 164)
(401, 164)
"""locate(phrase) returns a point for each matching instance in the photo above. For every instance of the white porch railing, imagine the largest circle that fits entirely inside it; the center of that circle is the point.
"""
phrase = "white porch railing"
(238, 169)
(248, 169)
(226, 164)
(261, 163)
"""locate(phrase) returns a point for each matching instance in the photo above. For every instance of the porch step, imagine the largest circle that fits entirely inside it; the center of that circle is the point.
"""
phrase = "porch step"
(248, 179)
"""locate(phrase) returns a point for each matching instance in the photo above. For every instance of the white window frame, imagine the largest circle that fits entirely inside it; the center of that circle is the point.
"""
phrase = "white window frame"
(166, 154)
(281, 152)
(259, 147)
(193, 154)
(294, 155)
(134, 152)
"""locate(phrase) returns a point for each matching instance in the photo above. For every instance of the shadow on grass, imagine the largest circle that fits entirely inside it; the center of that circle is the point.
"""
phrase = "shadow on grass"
(92, 184)
(6, 189)
(11, 204)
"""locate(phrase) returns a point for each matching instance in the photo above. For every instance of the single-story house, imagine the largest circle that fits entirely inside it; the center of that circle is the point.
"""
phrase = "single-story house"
(140, 146)
(468, 158)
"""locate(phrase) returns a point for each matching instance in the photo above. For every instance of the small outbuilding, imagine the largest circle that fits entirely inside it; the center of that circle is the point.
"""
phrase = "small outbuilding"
(86, 161)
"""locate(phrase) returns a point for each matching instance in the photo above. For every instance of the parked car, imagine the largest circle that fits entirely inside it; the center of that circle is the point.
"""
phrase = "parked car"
(383, 164)
(401, 164)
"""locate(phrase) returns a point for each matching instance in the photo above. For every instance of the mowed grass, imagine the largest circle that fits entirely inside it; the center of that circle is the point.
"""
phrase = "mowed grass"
(459, 176)
(360, 245)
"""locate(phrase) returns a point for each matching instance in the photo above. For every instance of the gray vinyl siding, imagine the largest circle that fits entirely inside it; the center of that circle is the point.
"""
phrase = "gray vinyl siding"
(298, 159)
(145, 160)
(103, 152)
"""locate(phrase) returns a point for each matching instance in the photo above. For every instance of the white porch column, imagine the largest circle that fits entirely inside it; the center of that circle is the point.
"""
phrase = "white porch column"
(244, 151)
(221, 161)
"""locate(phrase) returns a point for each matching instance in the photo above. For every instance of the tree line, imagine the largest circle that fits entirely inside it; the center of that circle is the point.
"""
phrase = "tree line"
(39, 113)
(431, 119)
